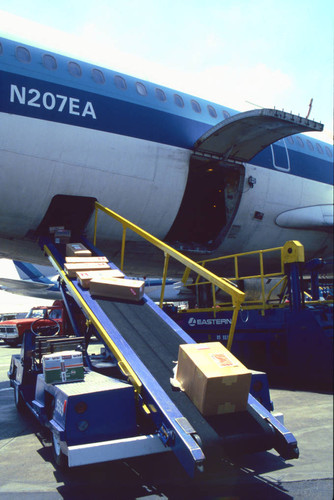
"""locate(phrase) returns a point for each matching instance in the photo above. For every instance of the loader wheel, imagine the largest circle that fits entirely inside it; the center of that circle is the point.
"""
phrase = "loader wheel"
(59, 457)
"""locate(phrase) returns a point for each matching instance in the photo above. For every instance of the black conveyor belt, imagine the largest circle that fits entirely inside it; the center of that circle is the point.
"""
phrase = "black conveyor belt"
(157, 344)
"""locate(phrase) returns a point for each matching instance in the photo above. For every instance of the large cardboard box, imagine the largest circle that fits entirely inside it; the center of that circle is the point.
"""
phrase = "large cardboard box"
(77, 250)
(213, 378)
(72, 269)
(90, 260)
(118, 288)
(84, 278)
(61, 367)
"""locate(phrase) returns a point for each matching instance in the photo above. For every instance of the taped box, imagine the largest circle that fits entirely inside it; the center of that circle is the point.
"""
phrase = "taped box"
(78, 260)
(115, 288)
(61, 367)
(213, 378)
(72, 269)
(77, 250)
(84, 278)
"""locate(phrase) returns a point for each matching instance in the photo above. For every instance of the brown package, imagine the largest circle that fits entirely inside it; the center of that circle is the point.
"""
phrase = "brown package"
(85, 277)
(213, 378)
(118, 288)
(77, 250)
(72, 269)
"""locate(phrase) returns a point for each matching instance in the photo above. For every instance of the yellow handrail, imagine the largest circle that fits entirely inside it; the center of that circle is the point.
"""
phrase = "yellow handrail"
(236, 295)
(292, 251)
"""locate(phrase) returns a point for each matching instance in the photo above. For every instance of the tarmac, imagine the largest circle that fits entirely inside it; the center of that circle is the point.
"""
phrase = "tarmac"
(27, 470)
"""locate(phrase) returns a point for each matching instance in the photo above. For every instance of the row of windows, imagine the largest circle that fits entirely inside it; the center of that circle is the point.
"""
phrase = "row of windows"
(23, 55)
(310, 145)
(50, 63)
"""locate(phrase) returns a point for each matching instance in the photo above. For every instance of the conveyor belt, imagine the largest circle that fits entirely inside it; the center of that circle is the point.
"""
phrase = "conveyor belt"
(157, 345)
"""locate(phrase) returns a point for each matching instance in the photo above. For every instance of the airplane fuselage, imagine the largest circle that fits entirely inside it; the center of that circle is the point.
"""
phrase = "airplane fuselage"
(71, 128)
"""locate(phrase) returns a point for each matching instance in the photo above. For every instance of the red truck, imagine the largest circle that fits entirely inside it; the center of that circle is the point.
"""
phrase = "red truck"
(48, 320)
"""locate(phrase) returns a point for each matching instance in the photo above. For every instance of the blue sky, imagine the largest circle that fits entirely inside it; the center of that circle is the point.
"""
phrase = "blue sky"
(234, 52)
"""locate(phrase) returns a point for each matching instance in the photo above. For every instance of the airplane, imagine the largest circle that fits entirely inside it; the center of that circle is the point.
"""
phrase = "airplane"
(24, 278)
(198, 175)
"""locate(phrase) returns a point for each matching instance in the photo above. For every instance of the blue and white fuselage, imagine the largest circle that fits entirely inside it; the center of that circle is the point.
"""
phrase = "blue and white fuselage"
(71, 128)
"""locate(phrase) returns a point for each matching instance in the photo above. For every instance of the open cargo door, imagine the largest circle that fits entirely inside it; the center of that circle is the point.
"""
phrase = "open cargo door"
(216, 173)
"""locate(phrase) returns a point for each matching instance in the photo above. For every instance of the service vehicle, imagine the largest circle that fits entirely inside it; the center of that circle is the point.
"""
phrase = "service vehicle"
(52, 319)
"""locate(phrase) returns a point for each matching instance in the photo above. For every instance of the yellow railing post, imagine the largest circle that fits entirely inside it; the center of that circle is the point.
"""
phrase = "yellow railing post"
(214, 300)
(164, 276)
(95, 225)
(123, 247)
(232, 327)
(236, 270)
(185, 275)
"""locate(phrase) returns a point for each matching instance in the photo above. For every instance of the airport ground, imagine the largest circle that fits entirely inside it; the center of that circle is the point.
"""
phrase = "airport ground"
(27, 470)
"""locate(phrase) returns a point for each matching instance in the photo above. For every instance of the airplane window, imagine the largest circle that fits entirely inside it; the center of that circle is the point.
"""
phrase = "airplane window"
(178, 101)
(98, 76)
(300, 141)
(196, 107)
(290, 139)
(212, 111)
(141, 89)
(328, 152)
(226, 114)
(319, 148)
(74, 69)
(49, 61)
(310, 145)
(120, 82)
(23, 54)
(160, 95)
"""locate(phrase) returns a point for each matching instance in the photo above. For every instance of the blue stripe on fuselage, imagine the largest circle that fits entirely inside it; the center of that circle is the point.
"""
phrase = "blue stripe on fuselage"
(95, 111)
(26, 96)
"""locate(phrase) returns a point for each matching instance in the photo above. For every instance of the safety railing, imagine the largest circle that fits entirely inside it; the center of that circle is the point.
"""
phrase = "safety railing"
(236, 295)
(292, 251)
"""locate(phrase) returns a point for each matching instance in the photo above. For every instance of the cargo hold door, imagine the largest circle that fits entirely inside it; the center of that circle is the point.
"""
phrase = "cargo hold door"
(216, 173)
(244, 135)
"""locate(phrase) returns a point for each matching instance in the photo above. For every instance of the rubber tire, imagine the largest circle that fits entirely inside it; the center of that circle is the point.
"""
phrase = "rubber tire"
(14, 343)
(59, 457)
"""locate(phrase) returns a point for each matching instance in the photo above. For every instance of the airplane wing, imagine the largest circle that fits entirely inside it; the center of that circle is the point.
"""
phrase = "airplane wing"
(243, 135)
(23, 278)
(30, 288)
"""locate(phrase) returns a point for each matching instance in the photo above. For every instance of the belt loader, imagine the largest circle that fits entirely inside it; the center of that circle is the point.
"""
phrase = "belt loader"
(125, 406)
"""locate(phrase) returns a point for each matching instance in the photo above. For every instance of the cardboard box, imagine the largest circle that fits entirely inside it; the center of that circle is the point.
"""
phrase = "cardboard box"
(118, 288)
(77, 250)
(79, 260)
(213, 378)
(72, 269)
(84, 278)
(62, 236)
(61, 367)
